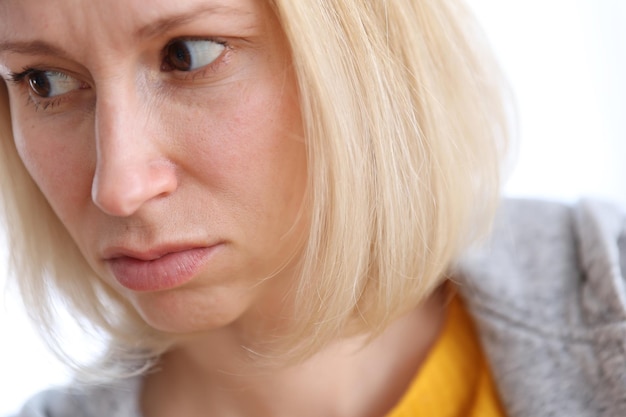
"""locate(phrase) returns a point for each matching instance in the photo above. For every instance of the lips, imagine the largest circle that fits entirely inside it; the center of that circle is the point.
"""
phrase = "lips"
(158, 270)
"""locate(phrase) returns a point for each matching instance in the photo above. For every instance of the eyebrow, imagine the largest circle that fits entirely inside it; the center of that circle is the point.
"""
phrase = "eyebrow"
(165, 24)
(32, 48)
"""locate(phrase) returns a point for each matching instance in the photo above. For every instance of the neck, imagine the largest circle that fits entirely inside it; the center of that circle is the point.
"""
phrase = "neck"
(218, 377)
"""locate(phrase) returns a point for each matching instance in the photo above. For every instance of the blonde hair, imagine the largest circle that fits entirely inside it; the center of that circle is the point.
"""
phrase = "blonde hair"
(406, 124)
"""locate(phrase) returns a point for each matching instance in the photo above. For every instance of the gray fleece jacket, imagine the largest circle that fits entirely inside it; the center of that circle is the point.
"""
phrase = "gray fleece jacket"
(549, 297)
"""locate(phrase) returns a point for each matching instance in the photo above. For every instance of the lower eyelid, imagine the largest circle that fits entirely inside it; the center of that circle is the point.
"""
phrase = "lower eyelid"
(48, 103)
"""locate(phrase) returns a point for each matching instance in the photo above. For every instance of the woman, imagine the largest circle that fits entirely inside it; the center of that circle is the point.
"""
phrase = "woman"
(261, 205)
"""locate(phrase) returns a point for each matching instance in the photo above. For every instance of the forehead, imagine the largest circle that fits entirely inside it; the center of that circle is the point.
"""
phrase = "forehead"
(89, 20)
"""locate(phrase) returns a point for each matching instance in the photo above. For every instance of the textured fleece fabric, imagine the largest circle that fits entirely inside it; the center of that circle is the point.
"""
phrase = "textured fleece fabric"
(548, 295)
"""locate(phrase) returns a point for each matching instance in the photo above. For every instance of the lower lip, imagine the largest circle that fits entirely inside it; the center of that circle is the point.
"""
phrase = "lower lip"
(169, 271)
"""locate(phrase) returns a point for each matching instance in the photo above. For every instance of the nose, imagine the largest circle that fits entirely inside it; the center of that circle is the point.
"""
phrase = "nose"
(132, 168)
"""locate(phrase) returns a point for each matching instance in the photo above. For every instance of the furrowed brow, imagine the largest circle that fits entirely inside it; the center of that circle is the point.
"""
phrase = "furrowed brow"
(41, 48)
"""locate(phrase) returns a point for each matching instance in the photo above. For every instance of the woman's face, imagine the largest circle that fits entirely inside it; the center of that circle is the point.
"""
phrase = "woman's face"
(166, 135)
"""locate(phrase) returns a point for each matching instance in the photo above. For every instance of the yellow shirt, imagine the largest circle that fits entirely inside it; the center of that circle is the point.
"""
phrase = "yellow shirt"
(455, 380)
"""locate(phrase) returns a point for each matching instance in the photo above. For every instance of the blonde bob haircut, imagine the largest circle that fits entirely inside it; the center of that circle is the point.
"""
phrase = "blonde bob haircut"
(406, 124)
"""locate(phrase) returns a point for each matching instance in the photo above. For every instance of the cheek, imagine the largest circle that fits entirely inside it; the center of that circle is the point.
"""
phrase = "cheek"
(250, 137)
(252, 155)
(58, 162)
(268, 157)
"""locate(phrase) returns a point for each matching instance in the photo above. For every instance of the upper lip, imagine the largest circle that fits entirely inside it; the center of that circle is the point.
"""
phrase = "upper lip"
(150, 254)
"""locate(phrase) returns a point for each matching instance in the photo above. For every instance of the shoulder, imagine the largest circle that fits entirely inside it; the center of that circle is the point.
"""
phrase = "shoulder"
(544, 255)
(548, 294)
(110, 400)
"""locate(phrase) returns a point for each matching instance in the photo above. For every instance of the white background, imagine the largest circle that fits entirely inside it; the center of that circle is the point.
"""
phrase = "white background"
(566, 60)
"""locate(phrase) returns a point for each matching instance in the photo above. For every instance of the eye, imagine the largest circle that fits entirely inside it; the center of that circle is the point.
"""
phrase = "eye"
(49, 84)
(188, 55)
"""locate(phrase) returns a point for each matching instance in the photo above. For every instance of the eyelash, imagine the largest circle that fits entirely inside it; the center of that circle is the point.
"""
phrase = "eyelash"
(45, 103)
(40, 103)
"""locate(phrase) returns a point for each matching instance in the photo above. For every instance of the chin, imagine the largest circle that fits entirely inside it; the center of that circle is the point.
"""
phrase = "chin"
(189, 311)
